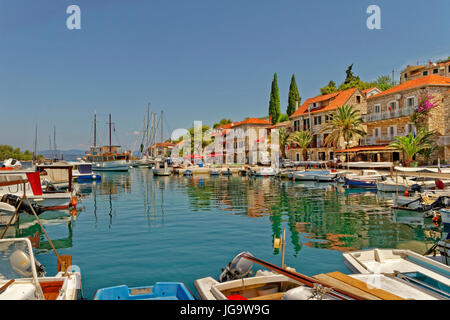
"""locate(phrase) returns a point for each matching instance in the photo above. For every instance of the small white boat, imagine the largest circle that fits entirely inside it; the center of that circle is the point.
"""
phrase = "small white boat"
(23, 278)
(308, 175)
(265, 172)
(326, 177)
(214, 172)
(425, 273)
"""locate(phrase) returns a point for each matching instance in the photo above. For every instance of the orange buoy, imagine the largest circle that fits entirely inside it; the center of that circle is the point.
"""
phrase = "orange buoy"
(73, 212)
(406, 194)
(74, 202)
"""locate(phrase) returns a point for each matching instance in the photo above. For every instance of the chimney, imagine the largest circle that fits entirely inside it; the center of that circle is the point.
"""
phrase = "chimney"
(296, 104)
(431, 63)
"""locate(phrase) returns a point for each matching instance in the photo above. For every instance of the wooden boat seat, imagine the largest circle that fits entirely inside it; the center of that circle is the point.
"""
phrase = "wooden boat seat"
(51, 289)
(273, 296)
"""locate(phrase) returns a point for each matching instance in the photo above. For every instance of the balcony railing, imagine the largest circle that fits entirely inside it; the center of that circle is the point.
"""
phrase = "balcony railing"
(381, 140)
(402, 112)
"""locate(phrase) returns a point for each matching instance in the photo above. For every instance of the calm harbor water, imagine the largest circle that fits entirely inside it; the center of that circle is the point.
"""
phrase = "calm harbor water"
(136, 229)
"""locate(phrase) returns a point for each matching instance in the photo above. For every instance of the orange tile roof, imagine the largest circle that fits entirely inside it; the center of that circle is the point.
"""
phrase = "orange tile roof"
(422, 81)
(280, 125)
(252, 121)
(365, 148)
(228, 125)
(337, 99)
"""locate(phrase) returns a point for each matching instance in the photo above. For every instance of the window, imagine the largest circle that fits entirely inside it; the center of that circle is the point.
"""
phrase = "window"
(376, 132)
(425, 73)
(435, 71)
(296, 125)
(377, 108)
(392, 106)
(327, 118)
(410, 102)
(305, 124)
(392, 131)
(358, 99)
(317, 120)
(410, 128)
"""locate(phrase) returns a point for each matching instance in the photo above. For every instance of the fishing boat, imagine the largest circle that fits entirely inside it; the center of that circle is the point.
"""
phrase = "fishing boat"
(23, 277)
(308, 175)
(426, 274)
(108, 158)
(159, 291)
(187, 172)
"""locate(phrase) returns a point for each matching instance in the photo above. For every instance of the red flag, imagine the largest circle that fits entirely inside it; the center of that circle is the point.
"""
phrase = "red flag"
(35, 182)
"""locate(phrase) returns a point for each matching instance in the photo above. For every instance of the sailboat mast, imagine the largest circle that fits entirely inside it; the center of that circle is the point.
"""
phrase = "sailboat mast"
(35, 145)
(161, 120)
(110, 146)
(54, 142)
(95, 129)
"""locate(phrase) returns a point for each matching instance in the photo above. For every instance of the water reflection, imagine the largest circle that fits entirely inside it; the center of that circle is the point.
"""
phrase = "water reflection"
(318, 215)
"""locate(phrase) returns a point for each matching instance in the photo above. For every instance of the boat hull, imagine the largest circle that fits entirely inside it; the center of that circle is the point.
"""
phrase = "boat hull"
(351, 183)
(160, 291)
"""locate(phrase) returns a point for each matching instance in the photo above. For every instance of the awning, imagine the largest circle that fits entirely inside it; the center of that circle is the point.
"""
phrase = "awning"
(365, 164)
(368, 149)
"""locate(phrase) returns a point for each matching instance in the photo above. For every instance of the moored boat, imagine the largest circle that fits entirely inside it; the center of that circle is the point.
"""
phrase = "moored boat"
(24, 278)
(159, 291)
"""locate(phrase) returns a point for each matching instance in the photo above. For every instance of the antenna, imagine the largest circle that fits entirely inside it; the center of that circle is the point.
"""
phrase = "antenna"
(35, 144)
(54, 142)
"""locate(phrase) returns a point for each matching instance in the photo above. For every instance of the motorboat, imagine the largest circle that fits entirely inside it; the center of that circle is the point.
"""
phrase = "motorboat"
(159, 291)
(187, 172)
(23, 277)
(13, 184)
(82, 171)
(226, 172)
(309, 175)
(426, 274)
(367, 179)
(264, 172)
(235, 283)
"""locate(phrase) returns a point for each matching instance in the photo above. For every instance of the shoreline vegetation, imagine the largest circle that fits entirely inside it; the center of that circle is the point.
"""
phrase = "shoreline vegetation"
(7, 152)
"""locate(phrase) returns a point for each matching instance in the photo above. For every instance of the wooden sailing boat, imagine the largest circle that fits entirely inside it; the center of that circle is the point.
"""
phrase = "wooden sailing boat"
(107, 158)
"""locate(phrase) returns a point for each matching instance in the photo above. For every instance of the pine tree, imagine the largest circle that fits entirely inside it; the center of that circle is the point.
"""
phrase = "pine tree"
(293, 96)
(274, 103)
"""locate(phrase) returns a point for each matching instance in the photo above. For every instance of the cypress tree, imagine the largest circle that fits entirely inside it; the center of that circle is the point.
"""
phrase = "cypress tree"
(274, 103)
(293, 96)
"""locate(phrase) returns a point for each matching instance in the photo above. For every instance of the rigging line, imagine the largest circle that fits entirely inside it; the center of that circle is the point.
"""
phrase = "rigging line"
(168, 128)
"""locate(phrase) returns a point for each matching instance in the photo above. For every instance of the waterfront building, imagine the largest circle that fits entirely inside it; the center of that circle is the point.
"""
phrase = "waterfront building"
(313, 115)
(162, 149)
(389, 115)
(441, 68)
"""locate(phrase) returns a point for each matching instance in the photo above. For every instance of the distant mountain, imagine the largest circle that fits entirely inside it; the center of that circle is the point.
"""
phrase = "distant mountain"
(69, 155)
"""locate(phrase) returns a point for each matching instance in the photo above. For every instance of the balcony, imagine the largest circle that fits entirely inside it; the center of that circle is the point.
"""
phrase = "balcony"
(381, 140)
(402, 112)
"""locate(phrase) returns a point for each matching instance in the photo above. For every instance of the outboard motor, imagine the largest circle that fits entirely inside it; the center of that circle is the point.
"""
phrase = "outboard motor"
(21, 263)
(416, 188)
(24, 207)
(441, 202)
(237, 268)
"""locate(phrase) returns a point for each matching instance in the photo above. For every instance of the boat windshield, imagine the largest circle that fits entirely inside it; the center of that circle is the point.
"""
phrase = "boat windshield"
(427, 282)
(16, 261)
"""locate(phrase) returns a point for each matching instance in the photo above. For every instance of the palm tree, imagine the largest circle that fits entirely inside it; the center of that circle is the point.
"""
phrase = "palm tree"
(283, 137)
(411, 145)
(345, 123)
(302, 139)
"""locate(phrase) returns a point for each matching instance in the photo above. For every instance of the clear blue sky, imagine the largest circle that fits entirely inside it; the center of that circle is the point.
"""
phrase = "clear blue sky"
(197, 60)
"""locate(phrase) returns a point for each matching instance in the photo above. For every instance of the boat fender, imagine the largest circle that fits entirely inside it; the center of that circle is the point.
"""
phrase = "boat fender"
(406, 194)
(73, 203)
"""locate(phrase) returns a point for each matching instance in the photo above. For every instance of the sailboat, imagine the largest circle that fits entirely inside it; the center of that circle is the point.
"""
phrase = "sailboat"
(107, 158)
